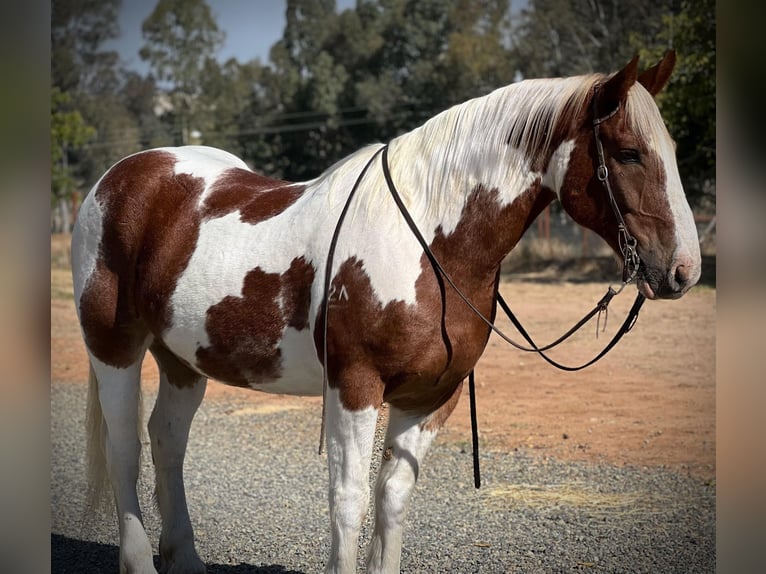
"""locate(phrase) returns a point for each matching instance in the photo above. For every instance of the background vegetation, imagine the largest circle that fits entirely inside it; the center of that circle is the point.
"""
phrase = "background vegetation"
(336, 81)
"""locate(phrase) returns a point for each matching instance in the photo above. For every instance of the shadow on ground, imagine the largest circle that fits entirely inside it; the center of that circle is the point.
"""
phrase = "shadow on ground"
(69, 555)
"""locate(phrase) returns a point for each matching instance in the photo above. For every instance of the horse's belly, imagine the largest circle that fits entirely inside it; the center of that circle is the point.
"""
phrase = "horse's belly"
(287, 366)
(300, 372)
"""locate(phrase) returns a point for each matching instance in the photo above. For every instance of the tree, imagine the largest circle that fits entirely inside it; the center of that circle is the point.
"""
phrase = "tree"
(138, 95)
(78, 30)
(688, 103)
(478, 59)
(118, 133)
(181, 35)
(310, 24)
(94, 85)
(225, 99)
(69, 132)
(82, 75)
(338, 81)
(568, 37)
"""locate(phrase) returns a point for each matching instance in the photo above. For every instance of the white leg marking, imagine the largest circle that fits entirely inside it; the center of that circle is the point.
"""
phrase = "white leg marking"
(119, 391)
(404, 449)
(169, 431)
(350, 436)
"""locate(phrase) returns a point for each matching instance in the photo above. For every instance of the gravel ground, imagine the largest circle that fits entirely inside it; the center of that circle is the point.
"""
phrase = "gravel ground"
(259, 506)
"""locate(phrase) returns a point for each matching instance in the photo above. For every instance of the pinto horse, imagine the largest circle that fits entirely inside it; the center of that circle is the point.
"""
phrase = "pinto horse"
(220, 273)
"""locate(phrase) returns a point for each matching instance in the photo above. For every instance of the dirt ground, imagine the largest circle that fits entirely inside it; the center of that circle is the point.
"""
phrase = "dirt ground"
(650, 402)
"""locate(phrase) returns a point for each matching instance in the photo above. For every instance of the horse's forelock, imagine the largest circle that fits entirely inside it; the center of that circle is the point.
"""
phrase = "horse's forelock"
(643, 117)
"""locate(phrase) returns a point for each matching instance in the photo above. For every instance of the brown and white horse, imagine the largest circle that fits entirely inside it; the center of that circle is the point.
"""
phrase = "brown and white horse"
(219, 273)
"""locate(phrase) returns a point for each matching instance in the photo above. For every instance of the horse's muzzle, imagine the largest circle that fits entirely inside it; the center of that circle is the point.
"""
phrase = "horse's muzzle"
(655, 283)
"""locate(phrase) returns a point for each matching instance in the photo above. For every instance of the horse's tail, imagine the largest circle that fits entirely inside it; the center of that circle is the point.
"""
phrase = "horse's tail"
(98, 476)
(98, 490)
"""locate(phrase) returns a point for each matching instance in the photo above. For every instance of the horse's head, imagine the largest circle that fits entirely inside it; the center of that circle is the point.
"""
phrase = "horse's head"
(641, 170)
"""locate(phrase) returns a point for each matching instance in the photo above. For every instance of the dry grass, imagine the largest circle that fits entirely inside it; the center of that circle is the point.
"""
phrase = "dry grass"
(577, 495)
(60, 255)
(61, 275)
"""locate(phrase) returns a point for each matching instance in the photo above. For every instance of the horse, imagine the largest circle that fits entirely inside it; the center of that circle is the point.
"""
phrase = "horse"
(222, 273)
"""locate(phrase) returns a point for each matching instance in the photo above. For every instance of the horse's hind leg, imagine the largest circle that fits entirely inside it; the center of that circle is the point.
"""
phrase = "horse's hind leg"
(119, 392)
(408, 438)
(180, 394)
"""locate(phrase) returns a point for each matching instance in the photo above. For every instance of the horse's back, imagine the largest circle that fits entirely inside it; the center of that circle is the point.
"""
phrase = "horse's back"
(144, 191)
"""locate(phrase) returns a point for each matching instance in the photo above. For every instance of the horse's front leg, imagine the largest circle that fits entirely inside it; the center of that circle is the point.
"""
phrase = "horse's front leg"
(350, 435)
(407, 440)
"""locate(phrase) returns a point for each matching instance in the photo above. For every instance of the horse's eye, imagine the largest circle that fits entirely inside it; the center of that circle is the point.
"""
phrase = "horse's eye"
(629, 156)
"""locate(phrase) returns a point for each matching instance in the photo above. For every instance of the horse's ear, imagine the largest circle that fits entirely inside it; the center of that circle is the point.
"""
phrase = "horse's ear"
(615, 89)
(655, 78)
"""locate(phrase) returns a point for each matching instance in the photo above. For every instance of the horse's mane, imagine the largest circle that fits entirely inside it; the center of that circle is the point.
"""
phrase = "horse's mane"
(490, 140)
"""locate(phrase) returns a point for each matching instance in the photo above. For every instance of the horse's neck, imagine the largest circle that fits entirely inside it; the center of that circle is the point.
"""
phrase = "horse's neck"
(464, 182)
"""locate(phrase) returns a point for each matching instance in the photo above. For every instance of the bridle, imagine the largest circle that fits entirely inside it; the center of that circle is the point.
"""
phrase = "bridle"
(626, 242)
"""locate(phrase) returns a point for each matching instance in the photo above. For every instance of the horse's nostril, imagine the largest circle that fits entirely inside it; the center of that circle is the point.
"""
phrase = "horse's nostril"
(682, 275)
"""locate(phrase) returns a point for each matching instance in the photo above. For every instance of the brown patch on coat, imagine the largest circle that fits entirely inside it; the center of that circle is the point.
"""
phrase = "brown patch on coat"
(133, 195)
(257, 198)
(112, 332)
(151, 224)
(167, 246)
(245, 331)
(179, 373)
(436, 419)
(397, 352)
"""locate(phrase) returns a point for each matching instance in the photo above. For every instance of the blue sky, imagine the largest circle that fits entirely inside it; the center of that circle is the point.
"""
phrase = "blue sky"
(251, 27)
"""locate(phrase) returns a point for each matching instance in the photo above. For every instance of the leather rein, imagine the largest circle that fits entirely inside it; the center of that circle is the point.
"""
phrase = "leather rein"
(631, 263)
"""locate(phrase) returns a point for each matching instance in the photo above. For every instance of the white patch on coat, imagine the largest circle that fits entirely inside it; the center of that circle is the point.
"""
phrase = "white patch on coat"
(406, 445)
(644, 117)
(558, 166)
(204, 162)
(86, 238)
(301, 372)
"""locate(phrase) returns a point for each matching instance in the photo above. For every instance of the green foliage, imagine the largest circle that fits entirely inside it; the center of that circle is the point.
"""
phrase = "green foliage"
(227, 93)
(181, 36)
(477, 59)
(68, 132)
(336, 81)
(568, 37)
(87, 83)
(688, 103)
(371, 73)
(78, 30)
